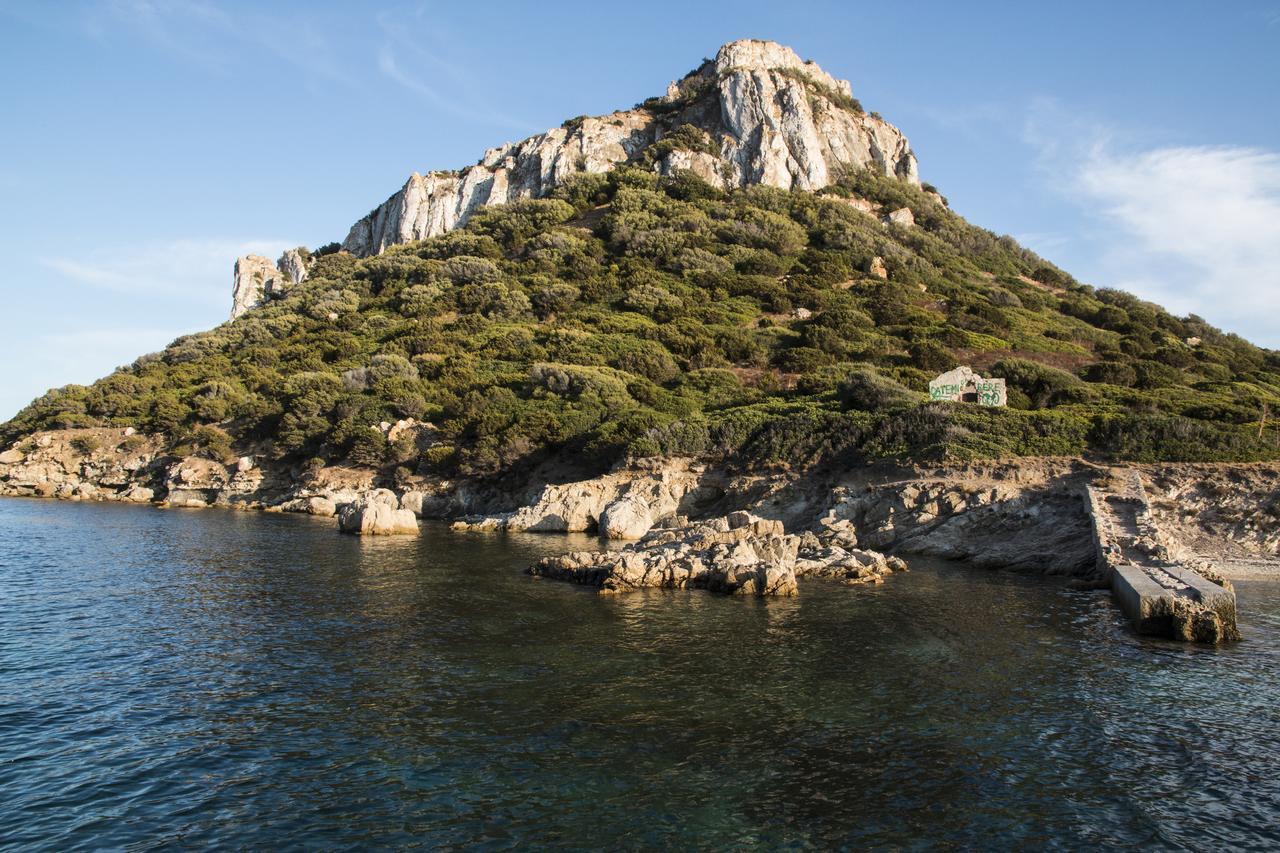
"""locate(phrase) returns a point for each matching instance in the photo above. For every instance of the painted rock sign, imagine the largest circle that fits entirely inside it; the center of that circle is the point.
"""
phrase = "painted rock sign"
(962, 385)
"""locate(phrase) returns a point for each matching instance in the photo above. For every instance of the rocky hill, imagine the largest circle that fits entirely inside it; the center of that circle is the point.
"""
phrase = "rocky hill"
(755, 115)
(744, 275)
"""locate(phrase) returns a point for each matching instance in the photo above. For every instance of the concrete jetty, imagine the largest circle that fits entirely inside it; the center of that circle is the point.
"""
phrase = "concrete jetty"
(1162, 593)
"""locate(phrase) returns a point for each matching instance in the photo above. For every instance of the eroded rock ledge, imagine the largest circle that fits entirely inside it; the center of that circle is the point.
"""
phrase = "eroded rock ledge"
(738, 554)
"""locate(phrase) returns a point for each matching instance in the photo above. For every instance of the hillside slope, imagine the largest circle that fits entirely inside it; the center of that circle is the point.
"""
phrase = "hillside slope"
(635, 315)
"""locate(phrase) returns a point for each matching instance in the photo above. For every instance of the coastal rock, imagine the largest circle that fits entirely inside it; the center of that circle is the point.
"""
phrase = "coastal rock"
(738, 555)
(139, 494)
(877, 268)
(579, 506)
(377, 514)
(322, 507)
(628, 518)
(772, 119)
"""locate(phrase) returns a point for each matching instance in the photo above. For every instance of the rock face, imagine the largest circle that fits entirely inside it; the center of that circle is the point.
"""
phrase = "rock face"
(622, 505)
(377, 514)
(257, 279)
(293, 263)
(769, 118)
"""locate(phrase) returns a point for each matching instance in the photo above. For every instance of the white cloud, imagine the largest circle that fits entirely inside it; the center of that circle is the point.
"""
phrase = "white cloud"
(1193, 227)
(197, 268)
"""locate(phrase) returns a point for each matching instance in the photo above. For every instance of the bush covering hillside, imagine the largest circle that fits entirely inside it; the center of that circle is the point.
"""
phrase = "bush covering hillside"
(636, 315)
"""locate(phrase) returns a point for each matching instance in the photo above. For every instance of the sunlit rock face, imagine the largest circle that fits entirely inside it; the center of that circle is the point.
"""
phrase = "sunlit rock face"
(769, 118)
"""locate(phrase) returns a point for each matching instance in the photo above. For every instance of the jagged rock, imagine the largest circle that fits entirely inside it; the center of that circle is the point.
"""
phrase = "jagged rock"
(255, 278)
(877, 268)
(773, 120)
(377, 514)
(578, 507)
(741, 554)
(293, 264)
(902, 216)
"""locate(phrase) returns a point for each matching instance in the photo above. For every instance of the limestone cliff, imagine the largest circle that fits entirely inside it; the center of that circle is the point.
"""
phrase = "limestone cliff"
(769, 118)
(257, 279)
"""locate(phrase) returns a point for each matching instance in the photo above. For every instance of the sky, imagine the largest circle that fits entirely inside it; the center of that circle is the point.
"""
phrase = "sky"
(145, 144)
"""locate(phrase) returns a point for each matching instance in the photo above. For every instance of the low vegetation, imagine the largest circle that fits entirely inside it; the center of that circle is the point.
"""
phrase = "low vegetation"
(632, 315)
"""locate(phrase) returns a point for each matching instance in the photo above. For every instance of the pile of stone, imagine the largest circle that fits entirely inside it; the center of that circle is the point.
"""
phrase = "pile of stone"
(833, 552)
(736, 554)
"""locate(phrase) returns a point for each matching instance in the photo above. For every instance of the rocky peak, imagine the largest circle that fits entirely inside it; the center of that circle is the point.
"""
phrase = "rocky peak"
(770, 118)
(759, 113)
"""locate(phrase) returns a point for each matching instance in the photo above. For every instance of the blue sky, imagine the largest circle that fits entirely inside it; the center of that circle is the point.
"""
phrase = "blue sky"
(146, 143)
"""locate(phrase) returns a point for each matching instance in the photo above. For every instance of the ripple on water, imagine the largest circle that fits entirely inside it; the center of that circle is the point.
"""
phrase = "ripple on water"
(197, 678)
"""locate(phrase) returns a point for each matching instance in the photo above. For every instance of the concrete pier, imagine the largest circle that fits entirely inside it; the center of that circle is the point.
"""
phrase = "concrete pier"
(1159, 593)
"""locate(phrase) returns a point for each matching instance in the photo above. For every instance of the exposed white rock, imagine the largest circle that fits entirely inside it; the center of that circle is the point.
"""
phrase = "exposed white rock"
(741, 554)
(293, 264)
(255, 278)
(377, 514)
(628, 518)
(775, 119)
(902, 216)
(581, 506)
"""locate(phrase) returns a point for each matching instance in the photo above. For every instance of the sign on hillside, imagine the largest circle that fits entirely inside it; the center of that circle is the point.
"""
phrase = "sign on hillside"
(962, 385)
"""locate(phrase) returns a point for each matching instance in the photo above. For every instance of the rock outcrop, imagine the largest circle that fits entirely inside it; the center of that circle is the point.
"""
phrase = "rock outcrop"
(622, 505)
(257, 279)
(768, 118)
(377, 514)
(293, 263)
(739, 554)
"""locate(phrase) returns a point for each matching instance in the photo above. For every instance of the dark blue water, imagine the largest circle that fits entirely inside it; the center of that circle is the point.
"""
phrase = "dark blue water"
(206, 678)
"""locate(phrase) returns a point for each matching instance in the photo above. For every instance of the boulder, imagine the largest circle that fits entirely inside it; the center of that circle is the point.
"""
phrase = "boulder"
(255, 278)
(139, 494)
(321, 506)
(377, 514)
(293, 265)
(902, 217)
(625, 519)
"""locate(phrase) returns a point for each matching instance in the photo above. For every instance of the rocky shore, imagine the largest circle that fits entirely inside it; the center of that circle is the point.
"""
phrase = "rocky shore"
(685, 516)
(739, 554)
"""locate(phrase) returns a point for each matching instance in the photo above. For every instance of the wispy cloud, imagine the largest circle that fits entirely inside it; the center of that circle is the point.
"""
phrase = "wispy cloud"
(196, 268)
(216, 39)
(1194, 227)
(406, 58)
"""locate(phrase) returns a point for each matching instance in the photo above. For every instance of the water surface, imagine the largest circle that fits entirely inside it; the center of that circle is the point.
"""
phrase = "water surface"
(200, 678)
